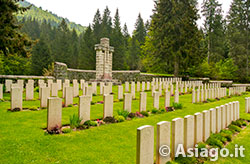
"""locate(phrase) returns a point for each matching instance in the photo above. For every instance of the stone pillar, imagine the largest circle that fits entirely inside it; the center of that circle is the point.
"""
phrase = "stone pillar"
(171, 89)
(49, 83)
(94, 87)
(110, 86)
(8, 85)
(138, 86)
(218, 119)
(143, 86)
(75, 89)
(163, 138)
(156, 99)
(54, 113)
(29, 91)
(176, 96)
(188, 132)
(126, 86)
(101, 88)
(127, 102)
(133, 89)
(231, 111)
(84, 108)
(148, 86)
(202, 95)
(206, 125)
(198, 128)
(108, 106)
(42, 85)
(198, 96)
(106, 90)
(45, 94)
(145, 145)
(1, 91)
(237, 110)
(212, 120)
(153, 89)
(167, 99)
(59, 84)
(177, 134)
(89, 91)
(234, 111)
(64, 86)
(68, 96)
(54, 89)
(143, 101)
(82, 82)
(223, 117)
(20, 84)
(16, 98)
(227, 115)
(193, 96)
(120, 92)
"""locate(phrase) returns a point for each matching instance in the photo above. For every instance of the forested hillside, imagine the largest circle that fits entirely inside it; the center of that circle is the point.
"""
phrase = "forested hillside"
(40, 15)
(171, 42)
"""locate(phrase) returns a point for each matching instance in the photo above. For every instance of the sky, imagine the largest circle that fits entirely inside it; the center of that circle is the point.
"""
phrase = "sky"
(83, 11)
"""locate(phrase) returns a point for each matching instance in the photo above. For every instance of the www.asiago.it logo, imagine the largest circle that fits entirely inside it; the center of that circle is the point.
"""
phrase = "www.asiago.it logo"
(213, 153)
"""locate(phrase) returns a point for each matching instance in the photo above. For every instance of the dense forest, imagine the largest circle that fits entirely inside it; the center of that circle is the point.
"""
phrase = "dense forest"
(170, 42)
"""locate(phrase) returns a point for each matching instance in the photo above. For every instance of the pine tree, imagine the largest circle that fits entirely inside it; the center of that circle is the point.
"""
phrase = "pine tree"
(117, 40)
(174, 38)
(13, 43)
(140, 30)
(106, 25)
(214, 30)
(97, 25)
(238, 35)
(41, 56)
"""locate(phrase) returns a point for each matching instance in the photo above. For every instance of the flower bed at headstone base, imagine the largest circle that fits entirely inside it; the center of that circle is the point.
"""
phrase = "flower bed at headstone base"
(76, 124)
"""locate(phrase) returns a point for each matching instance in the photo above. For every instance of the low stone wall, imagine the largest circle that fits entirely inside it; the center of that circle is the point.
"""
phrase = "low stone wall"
(61, 71)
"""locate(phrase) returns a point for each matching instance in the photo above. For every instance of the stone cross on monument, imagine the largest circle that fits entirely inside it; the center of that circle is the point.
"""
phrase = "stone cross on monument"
(104, 60)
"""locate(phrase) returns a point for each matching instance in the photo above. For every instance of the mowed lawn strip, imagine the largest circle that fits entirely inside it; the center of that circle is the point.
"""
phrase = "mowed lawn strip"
(23, 140)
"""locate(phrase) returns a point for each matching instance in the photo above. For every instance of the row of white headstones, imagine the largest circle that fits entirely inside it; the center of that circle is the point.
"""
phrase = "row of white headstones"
(187, 131)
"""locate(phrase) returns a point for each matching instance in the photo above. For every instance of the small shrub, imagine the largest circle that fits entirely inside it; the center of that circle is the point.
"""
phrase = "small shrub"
(200, 146)
(212, 141)
(227, 134)
(120, 118)
(70, 105)
(234, 128)
(144, 113)
(74, 121)
(239, 123)
(93, 103)
(220, 137)
(154, 110)
(66, 130)
(162, 110)
(131, 115)
(123, 113)
(109, 119)
(185, 160)
(211, 100)
(90, 123)
(94, 94)
(121, 100)
(177, 105)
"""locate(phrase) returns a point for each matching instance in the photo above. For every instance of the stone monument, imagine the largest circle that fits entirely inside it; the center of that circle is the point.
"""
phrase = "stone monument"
(104, 53)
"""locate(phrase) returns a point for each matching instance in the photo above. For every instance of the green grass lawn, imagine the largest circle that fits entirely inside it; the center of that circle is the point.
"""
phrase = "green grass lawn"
(23, 140)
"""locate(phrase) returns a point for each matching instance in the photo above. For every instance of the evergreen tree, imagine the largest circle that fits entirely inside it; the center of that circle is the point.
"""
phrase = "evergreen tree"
(106, 24)
(117, 41)
(140, 30)
(97, 25)
(214, 30)
(87, 56)
(13, 43)
(238, 35)
(174, 38)
(41, 56)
